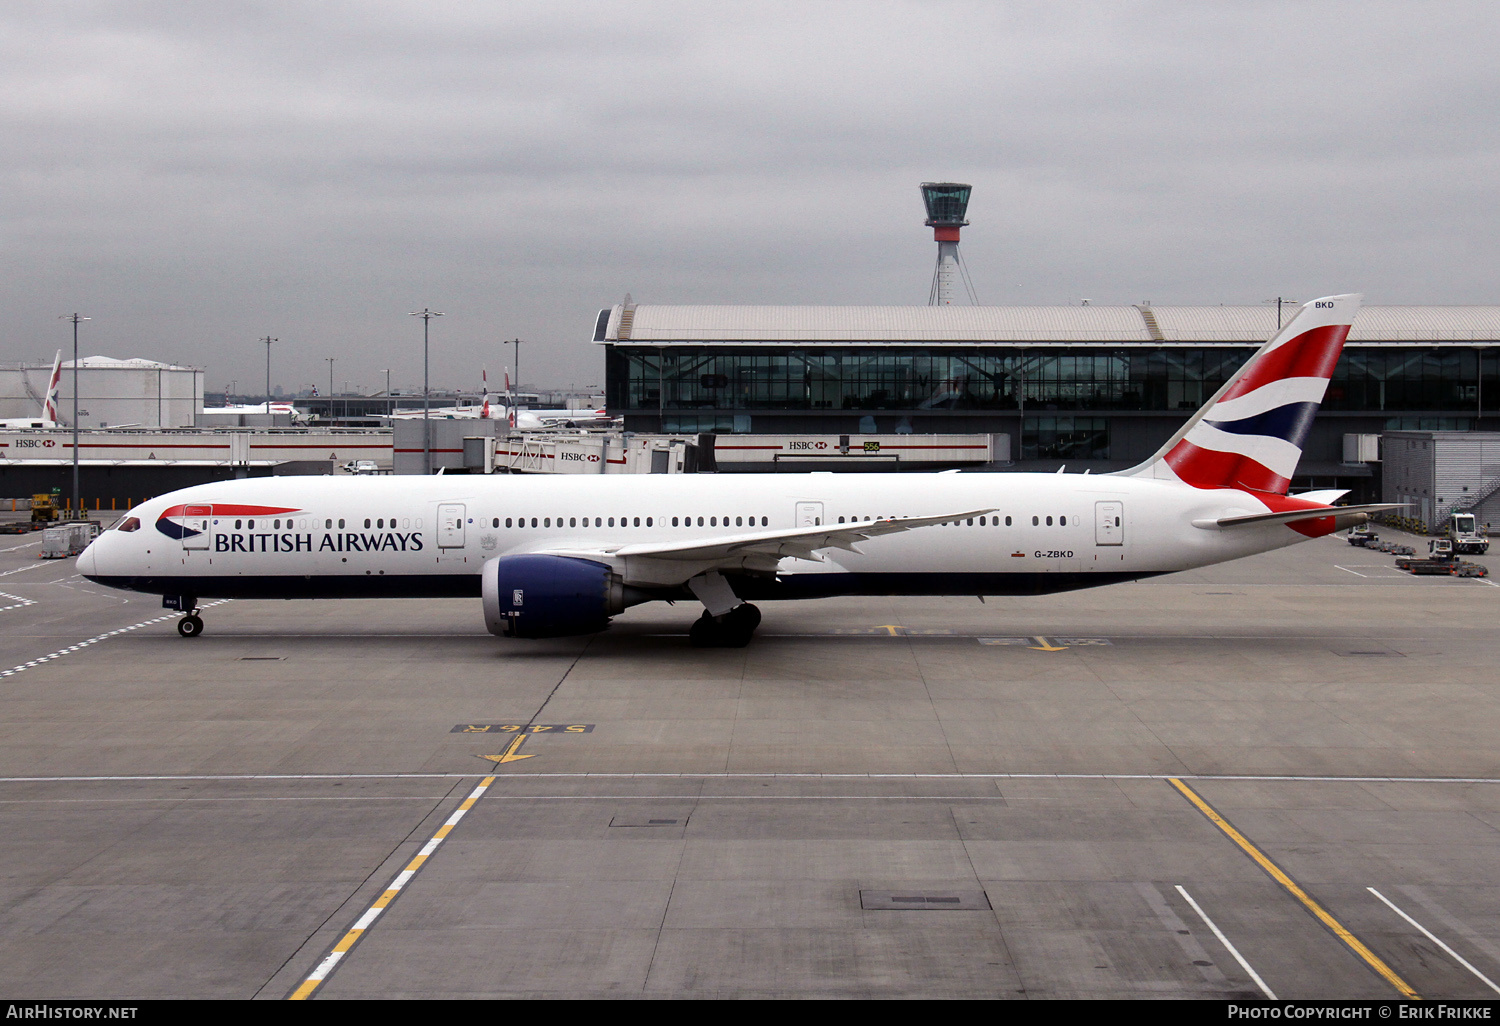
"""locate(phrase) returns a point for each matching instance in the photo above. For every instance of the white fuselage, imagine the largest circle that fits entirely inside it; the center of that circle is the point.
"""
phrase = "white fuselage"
(431, 536)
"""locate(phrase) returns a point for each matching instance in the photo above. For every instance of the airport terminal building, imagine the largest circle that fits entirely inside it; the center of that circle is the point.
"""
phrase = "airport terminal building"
(1090, 385)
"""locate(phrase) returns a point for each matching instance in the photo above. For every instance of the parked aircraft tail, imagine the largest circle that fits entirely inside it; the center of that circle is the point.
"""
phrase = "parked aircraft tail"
(1250, 434)
(49, 403)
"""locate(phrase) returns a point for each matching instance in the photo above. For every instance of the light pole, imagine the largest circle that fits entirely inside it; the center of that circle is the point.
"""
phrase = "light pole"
(75, 318)
(427, 316)
(330, 386)
(268, 340)
(1280, 301)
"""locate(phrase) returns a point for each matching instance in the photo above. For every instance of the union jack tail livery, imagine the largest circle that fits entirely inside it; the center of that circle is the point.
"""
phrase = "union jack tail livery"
(484, 410)
(49, 404)
(1249, 435)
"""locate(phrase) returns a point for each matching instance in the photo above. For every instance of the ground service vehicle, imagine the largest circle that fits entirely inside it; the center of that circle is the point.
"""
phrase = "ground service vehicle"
(1467, 536)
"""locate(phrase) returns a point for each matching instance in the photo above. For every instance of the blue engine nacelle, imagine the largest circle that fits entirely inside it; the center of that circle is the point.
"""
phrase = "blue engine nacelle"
(540, 596)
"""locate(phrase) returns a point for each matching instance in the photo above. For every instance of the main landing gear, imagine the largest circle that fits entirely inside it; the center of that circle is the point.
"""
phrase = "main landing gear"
(732, 630)
(726, 621)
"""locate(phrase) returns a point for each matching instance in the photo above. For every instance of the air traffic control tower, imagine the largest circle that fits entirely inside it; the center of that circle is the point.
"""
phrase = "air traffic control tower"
(947, 202)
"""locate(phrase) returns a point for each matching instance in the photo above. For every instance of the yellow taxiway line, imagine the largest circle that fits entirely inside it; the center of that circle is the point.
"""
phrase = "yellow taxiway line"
(1276, 873)
(364, 922)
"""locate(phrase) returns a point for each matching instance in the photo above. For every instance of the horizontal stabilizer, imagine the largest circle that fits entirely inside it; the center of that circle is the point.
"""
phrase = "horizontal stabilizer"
(1292, 515)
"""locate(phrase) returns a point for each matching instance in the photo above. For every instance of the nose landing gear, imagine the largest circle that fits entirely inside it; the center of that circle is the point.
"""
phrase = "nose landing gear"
(191, 624)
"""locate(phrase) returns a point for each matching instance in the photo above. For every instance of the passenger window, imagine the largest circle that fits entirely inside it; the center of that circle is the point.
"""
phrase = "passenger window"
(1062, 521)
(380, 522)
(713, 521)
(700, 521)
(238, 524)
(507, 521)
(533, 521)
(648, 521)
(611, 521)
(598, 522)
(1035, 521)
(1049, 521)
(547, 522)
(1007, 521)
(763, 521)
(572, 521)
(637, 522)
(674, 521)
(367, 521)
(341, 523)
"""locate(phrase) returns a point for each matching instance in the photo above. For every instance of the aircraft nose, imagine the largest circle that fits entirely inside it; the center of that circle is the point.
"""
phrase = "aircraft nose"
(86, 559)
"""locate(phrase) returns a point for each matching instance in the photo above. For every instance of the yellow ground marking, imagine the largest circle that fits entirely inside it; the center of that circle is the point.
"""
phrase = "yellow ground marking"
(891, 629)
(1043, 645)
(1352, 942)
(509, 755)
(364, 922)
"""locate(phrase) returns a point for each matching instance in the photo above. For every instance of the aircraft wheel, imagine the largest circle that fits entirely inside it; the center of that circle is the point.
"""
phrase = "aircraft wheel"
(734, 630)
(704, 632)
(190, 626)
(750, 617)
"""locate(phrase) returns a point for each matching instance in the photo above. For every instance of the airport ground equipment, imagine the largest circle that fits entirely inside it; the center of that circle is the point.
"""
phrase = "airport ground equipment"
(44, 507)
(1442, 560)
(1467, 536)
(68, 539)
(1361, 535)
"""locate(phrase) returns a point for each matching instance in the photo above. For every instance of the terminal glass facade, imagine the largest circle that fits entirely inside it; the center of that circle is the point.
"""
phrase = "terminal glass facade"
(914, 379)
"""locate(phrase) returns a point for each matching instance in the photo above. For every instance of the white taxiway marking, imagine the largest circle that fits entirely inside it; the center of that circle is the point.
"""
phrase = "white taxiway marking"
(17, 601)
(1228, 946)
(1429, 935)
(584, 774)
(93, 641)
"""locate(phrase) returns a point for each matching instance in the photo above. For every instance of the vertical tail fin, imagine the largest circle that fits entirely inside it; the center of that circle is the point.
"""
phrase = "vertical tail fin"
(49, 404)
(1250, 434)
(484, 410)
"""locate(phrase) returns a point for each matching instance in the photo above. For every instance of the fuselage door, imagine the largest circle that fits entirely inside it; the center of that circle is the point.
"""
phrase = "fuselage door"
(450, 525)
(809, 514)
(1109, 523)
(196, 521)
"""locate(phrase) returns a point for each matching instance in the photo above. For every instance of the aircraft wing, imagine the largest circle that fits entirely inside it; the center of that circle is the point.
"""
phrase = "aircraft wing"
(671, 563)
(1291, 515)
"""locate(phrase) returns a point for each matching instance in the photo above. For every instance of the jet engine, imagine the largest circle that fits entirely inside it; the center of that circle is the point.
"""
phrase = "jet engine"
(542, 596)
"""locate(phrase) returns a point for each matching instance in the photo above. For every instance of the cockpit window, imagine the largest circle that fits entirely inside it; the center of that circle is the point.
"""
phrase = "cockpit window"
(129, 524)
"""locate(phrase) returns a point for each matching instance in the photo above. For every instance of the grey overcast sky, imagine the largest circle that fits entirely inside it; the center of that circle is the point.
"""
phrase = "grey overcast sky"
(195, 175)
